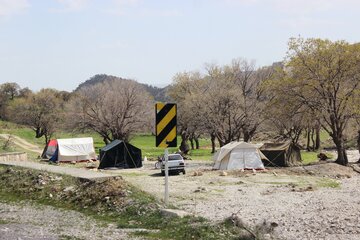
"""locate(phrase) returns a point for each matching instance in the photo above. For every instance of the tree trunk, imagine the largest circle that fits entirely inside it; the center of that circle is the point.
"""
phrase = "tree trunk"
(192, 143)
(342, 158)
(221, 142)
(312, 140)
(249, 133)
(308, 140)
(246, 136)
(106, 140)
(197, 144)
(317, 138)
(184, 146)
(213, 138)
(358, 143)
(39, 132)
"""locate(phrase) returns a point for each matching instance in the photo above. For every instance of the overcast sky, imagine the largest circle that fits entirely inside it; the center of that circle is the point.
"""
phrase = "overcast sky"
(61, 43)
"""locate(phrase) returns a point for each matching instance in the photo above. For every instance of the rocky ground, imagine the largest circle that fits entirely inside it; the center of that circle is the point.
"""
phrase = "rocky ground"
(314, 202)
(25, 221)
(319, 201)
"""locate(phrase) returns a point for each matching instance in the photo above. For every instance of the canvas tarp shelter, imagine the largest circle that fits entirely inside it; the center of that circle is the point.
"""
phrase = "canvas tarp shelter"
(72, 149)
(119, 154)
(283, 154)
(238, 155)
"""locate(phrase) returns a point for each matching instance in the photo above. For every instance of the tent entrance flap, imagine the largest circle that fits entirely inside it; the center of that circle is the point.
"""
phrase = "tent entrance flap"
(281, 154)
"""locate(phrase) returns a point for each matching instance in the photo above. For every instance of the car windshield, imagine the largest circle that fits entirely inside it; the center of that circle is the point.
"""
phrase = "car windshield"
(175, 157)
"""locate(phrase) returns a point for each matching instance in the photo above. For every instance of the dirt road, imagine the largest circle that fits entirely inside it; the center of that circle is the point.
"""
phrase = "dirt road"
(22, 143)
(72, 171)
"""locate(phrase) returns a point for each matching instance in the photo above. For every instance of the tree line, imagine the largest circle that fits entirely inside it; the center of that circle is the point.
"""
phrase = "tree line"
(316, 88)
(113, 109)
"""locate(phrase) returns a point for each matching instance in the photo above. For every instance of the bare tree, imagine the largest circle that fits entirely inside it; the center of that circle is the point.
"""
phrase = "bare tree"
(41, 111)
(245, 75)
(224, 103)
(185, 87)
(115, 109)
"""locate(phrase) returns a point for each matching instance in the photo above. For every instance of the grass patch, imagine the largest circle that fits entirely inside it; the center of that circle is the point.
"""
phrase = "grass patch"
(276, 183)
(298, 181)
(66, 237)
(201, 154)
(328, 183)
(309, 157)
(319, 182)
(146, 142)
(15, 148)
(2, 221)
(4, 148)
(219, 190)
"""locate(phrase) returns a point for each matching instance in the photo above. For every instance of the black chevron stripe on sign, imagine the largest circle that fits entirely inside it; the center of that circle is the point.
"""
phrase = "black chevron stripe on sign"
(165, 125)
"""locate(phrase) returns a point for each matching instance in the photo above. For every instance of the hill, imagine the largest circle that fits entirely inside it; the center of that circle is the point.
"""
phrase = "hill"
(159, 94)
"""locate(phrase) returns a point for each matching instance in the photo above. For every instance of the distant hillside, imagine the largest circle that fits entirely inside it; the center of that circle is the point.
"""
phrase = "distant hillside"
(159, 94)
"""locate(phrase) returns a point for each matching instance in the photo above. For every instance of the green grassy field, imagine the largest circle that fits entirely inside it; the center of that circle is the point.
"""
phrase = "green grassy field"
(146, 142)
(147, 145)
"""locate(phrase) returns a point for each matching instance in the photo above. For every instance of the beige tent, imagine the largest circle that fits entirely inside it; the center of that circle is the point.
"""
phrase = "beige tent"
(75, 149)
(238, 155)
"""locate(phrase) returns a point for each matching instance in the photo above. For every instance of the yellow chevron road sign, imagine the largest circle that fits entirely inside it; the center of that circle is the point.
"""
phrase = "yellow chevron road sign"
(165, 125)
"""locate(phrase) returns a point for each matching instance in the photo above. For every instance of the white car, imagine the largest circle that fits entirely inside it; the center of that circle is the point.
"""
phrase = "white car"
(176, 164)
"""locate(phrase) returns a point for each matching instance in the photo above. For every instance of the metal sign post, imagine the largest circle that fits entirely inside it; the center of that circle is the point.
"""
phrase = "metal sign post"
(165, 129)
(166, 158)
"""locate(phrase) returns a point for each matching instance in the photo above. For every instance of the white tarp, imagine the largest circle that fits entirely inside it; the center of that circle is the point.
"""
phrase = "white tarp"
(238, 155)
(76, 149)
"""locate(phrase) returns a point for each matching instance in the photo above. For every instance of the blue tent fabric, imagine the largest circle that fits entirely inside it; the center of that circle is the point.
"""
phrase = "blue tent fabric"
(54, 158)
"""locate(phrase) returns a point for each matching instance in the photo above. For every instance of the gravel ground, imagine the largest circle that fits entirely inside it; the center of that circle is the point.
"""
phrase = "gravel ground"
(33, 222)
(298, 203)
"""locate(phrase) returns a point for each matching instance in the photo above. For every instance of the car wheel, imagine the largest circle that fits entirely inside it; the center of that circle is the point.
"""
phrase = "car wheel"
(183, 171)
(163, 173)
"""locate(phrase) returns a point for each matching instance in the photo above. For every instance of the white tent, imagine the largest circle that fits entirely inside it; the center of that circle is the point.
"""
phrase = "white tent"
(76, 149)
(238, 155)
